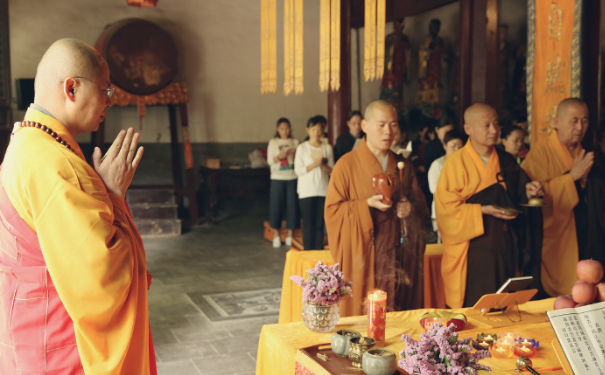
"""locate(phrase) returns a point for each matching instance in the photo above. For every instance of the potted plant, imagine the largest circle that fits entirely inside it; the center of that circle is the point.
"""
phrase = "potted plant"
(322, 291)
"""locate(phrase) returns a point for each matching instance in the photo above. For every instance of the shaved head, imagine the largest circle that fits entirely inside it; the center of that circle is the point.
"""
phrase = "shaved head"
(567, 103)
(481, 125)
(376, 105)
(72, 83)
(380, 125)
(66, 58)
(571, 121)
(476, 110)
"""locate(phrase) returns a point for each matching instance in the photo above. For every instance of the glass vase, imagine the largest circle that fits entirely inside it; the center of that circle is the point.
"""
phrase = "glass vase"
(320, 318)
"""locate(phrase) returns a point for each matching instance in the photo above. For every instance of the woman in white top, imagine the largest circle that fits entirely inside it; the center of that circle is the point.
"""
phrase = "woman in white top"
(280, 156)
(452, 141)
(313, 164)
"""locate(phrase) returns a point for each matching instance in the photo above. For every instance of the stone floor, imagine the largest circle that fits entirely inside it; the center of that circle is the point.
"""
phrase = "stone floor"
(231, 256)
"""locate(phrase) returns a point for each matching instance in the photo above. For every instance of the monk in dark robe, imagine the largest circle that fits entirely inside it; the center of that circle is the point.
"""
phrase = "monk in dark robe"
(365, 235)
(480, 238)
(564, 169)
(595, 210)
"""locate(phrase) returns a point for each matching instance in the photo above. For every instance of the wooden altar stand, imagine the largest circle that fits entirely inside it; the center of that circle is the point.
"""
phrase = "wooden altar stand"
(175, 97)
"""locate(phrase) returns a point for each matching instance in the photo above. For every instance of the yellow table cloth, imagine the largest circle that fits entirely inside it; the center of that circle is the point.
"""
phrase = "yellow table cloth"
(297, 262)
(279, 344)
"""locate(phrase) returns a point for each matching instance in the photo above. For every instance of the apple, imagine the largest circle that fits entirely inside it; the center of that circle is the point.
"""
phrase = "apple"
(590, 271)
(564, 302)
(583, 292)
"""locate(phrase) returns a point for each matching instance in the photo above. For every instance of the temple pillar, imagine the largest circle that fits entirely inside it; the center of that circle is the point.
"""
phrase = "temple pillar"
(339, 102)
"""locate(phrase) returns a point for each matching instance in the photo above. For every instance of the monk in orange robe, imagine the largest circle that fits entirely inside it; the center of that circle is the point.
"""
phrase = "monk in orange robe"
(562, 166)
(364, 234)
(73, 275)
(480, 247)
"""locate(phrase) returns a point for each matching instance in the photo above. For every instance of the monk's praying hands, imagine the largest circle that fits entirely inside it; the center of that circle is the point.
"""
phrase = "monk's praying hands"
(534, 189)
(582, 165)
(117, 168)
(403, 208)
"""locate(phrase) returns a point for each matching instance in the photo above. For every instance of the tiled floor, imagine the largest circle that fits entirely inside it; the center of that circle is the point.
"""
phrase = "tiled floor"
(227, 257)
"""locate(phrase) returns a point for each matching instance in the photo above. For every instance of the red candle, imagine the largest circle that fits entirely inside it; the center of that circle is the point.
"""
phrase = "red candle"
(377, 316)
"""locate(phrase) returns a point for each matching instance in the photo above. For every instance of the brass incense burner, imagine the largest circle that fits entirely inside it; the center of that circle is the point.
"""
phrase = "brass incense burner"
(359, 345)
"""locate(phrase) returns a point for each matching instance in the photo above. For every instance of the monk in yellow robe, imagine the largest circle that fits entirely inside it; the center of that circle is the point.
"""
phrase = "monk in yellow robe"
(562, 166)
(364, 234)
(79, 272)
(480, 247)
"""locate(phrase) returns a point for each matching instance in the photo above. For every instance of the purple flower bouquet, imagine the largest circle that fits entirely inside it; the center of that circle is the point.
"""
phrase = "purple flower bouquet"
(439, 352)
(325, 286)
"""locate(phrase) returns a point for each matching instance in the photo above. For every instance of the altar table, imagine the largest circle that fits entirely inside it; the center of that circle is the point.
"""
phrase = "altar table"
(279, 344)
(297, 262)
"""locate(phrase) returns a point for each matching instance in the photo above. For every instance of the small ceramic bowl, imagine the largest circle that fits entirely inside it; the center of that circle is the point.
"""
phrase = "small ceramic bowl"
(379, 361)
(341, 341)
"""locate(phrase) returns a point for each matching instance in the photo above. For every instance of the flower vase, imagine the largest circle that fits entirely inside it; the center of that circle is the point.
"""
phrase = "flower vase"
(320, 318)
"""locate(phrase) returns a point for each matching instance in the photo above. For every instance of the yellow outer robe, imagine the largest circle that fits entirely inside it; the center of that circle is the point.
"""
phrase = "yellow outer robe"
(547, 162)
(463, 175)
(92, 249)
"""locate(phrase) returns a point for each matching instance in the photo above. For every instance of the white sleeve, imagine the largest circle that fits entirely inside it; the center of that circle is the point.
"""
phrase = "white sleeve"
(299, 166)
(272, 152)
(330, 156)
(433, 176)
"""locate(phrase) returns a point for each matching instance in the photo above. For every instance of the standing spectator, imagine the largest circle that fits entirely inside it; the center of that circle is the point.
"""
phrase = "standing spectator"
(280, 156)
(435, 148)
(453, 140)
(313, 164)
(345, 142)
(513, 141)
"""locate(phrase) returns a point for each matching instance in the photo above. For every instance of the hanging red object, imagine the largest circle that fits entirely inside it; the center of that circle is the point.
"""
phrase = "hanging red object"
(143, 3)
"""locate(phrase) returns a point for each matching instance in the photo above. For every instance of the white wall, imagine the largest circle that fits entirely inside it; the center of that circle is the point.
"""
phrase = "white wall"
(219, 46)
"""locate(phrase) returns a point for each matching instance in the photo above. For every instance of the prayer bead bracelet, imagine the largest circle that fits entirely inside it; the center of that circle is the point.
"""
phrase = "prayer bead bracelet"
(49, 131)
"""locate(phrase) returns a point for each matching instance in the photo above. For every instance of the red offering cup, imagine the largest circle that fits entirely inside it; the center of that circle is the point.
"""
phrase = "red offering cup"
(377, 316)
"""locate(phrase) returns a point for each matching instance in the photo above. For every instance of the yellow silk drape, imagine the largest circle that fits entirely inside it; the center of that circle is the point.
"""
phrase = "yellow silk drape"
(335, 45)
(288, 46)
(381, 14)
(293, 47)
(374, 35)
(298, 47)
(324, 45)
(553, 61)
(268, 46)
(329, 45)
(369, 63)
